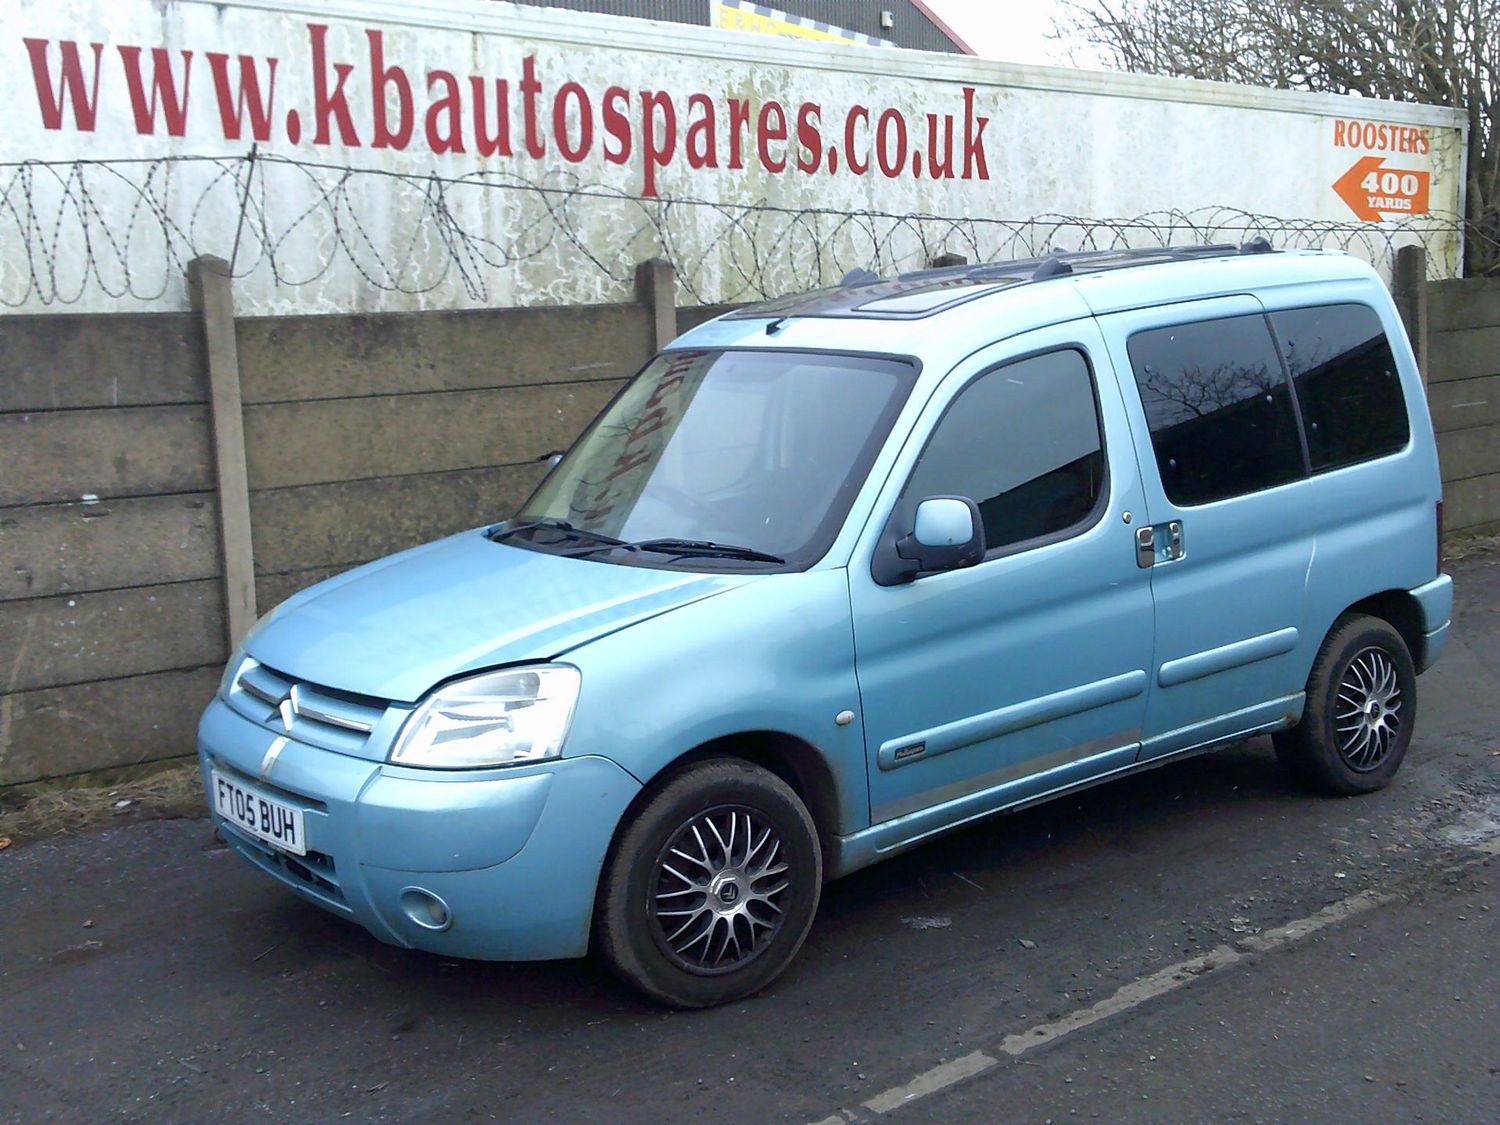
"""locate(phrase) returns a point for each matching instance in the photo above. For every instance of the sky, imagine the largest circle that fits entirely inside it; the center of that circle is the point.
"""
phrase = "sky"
(1012, 30)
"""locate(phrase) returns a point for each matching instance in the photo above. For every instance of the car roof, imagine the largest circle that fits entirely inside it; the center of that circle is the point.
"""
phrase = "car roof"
(940, 315)
(922, 293)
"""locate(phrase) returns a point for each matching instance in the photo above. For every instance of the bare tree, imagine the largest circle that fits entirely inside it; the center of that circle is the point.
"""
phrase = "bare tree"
(1441, 52)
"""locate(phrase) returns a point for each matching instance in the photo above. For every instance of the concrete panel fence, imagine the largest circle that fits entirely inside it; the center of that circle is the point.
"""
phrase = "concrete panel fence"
(1463, 390)
(165, 476)
(123, 581)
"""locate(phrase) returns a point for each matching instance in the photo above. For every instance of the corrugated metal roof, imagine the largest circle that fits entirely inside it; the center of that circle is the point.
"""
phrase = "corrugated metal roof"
(911, 25)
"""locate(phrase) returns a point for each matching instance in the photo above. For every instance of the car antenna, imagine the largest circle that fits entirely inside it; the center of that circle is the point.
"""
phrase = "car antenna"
(1053, 265)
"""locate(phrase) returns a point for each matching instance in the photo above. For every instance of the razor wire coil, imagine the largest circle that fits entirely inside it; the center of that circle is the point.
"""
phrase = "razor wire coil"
(128, 229)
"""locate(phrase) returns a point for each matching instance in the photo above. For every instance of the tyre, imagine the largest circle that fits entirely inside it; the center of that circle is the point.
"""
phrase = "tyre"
(709, 892)
(1360, 710)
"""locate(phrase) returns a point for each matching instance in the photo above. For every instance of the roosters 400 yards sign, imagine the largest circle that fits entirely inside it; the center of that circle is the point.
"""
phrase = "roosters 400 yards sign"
(1374, 190)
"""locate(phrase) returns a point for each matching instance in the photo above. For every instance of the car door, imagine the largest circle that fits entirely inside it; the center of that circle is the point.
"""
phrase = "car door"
(983, 685)
(1231, 526)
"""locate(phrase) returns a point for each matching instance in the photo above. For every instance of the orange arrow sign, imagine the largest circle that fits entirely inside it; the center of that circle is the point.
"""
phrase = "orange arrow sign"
(1373, 191)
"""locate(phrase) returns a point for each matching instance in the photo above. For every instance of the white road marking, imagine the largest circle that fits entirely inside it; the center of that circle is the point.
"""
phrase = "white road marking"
(1296, 931)
(1133, 995)
(930, 1081)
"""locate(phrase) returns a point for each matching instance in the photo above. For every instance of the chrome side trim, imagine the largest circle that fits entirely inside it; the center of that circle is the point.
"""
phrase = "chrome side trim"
(848, 854)
(318, 714)
(250, 687)
(272, 753)
(1274, 714)
(296, 701)
(1185, 669)
(922, 745)
(1016, 771)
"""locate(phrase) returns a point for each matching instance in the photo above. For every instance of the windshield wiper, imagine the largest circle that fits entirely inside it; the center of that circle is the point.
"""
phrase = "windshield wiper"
(686, 548)
(562, 527)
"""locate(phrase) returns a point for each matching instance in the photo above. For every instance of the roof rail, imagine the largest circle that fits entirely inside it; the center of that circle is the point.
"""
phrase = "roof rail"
(1060, 263)
(919, 293)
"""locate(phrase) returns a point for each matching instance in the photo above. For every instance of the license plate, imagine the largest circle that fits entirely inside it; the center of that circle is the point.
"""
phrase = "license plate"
(254, 813)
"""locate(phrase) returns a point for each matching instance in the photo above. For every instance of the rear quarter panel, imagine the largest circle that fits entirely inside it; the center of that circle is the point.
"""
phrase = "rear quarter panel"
(1376, 521)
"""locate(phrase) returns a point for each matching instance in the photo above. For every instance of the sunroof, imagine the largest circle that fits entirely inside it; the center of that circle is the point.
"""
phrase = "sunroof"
(897, 298)
(929, 300)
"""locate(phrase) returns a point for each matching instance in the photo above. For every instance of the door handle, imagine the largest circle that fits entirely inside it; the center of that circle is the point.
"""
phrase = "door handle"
(1175, 547)
(1145, 545)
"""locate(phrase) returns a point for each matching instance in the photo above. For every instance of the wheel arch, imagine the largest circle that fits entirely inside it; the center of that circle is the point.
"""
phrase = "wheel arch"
(794, 760)
(1398, 609)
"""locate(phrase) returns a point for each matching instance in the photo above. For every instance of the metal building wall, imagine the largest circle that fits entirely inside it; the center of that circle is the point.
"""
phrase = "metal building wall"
(912, 27)
(672, 11)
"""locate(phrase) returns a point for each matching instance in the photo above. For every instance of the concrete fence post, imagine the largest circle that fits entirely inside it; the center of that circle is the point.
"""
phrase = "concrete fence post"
(1409, 288)
(213, 300)
(656, 288)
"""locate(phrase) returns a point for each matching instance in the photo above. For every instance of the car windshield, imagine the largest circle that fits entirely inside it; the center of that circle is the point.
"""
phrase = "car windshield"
(743, 460)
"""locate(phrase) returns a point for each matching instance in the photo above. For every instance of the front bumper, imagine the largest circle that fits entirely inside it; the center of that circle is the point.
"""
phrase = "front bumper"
(514, 854)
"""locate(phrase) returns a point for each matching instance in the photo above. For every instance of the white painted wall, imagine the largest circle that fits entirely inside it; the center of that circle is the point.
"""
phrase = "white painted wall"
(414, 226)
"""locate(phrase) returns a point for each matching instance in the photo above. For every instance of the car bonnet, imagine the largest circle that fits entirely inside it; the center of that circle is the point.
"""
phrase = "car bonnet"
(396, 627)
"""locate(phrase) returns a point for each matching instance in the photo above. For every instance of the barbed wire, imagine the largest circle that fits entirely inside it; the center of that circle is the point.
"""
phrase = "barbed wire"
(77, 230)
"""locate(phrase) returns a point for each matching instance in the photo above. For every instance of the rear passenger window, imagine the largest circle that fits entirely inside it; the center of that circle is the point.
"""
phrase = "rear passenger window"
(1021, 441)
(1219, 408)
(1347, 386)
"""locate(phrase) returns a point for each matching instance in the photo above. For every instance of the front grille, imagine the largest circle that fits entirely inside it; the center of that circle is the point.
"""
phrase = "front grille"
(313, 872)
(321, 716)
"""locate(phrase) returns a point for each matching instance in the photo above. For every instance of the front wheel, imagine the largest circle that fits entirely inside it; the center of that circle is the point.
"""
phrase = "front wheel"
(711, 889)
(1360, 710)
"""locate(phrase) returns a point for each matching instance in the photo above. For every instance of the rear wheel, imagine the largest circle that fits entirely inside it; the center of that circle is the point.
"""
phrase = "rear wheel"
(710, 891)
(1360, 710)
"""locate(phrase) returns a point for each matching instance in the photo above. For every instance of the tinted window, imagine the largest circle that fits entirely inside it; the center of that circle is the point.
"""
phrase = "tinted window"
(1219, 409)
(1346, 382)
(1023, 443)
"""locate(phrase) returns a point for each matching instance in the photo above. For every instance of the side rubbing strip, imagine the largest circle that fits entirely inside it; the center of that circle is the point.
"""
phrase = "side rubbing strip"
(1018, 716)
(1210, 661)
(932, 800)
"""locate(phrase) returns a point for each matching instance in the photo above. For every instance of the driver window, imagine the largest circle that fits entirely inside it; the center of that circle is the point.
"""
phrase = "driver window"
(1024, 443)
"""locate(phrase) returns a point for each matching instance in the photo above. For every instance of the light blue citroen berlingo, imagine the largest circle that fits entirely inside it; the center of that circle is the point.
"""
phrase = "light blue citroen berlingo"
(840, 572)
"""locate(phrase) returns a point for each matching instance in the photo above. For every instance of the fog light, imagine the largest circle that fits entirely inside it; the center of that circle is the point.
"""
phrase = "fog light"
(426, 909)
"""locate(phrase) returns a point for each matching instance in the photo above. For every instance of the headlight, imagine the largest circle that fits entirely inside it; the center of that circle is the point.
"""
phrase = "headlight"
(501, 718)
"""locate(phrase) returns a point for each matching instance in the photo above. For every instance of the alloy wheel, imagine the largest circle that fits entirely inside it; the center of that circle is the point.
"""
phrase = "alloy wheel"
(719, 891)
(1367, 713)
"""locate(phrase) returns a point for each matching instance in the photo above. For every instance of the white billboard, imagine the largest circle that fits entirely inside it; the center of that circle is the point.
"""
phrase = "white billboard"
(365, 155)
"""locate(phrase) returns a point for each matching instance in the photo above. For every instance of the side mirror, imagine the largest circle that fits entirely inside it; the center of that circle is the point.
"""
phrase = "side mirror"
(947, 534)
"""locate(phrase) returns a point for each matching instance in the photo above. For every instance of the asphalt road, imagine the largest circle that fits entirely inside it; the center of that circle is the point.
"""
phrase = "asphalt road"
(146, 973)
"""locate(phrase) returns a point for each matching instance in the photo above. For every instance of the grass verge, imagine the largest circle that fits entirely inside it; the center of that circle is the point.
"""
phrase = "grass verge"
(174, 789)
